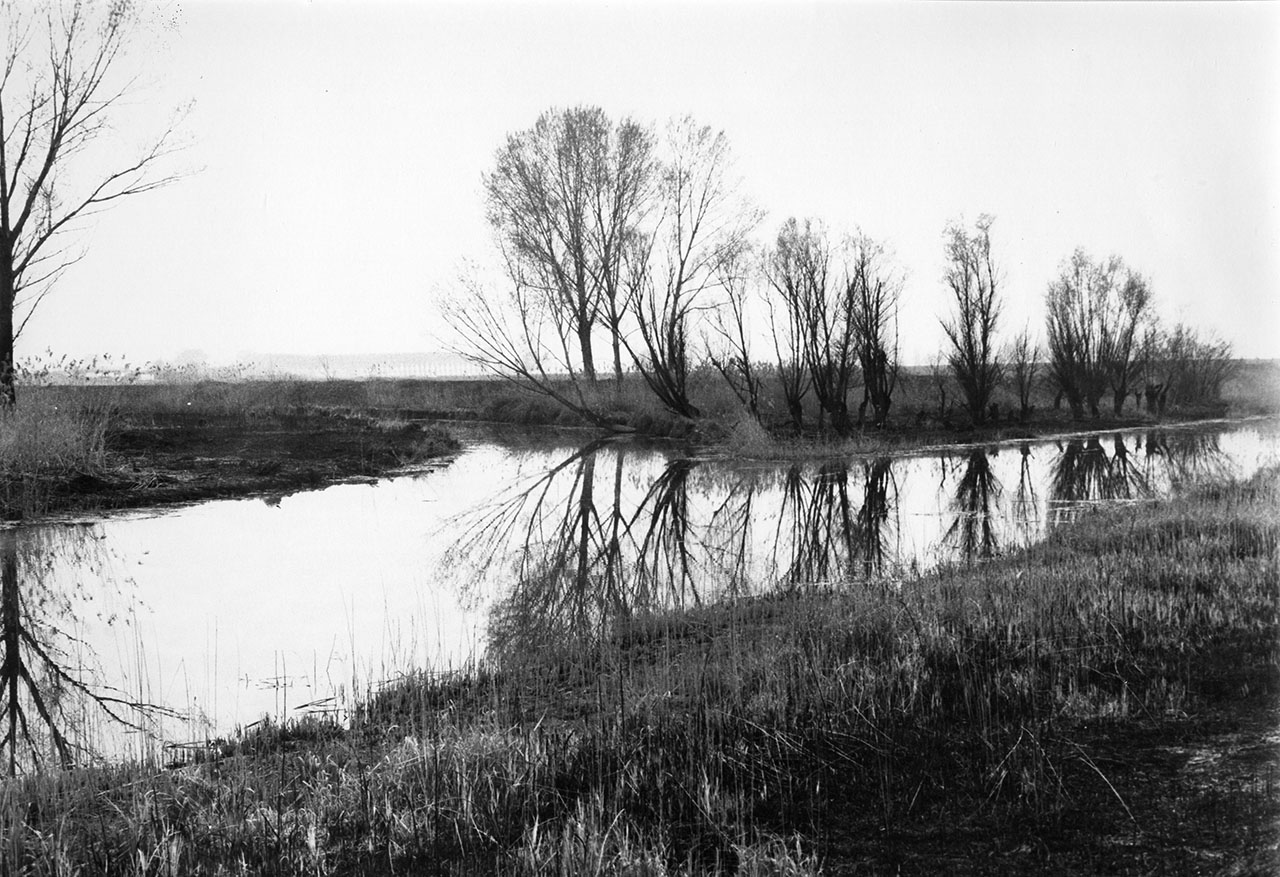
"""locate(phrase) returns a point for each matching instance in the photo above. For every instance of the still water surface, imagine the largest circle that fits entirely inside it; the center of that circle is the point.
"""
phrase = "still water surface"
(228, 611)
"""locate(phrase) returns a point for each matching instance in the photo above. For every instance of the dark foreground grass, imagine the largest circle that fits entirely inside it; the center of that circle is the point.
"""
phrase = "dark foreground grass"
(1105, 702)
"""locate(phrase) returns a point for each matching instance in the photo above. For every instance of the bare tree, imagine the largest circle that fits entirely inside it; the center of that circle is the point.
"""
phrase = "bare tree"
(514, 331)
(940, 373)
(1072, 335)
(974, 283)
(624, 177)
(703, 223)
(789, 347)
(1181, 367)
(799, 269)
(1024, 364)
(58, 88)
(1122, 315)
(561, 198)
(730, 352)
(1095, 317)
(874, 311)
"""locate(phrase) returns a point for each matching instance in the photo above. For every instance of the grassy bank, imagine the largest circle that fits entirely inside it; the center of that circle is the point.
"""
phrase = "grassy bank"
(1101, 702)
(83, 449)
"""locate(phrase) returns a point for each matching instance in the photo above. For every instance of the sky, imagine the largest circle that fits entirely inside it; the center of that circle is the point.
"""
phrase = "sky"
(335, 151)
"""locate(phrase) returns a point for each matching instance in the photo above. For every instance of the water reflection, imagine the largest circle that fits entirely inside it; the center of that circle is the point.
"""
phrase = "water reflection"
(606, 531)
(829, 532)
(1118, 468)
(1026, 502)
(973, 531)
(1185, 457)
(52, 698)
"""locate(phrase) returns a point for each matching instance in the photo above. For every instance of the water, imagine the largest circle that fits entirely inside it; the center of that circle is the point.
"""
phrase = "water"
(225, 612)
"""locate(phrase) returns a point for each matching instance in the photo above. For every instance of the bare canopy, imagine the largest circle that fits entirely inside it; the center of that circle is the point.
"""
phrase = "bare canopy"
(58, 87)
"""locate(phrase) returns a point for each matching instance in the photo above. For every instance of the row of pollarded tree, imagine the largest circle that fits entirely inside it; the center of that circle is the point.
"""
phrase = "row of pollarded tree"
(613, 233)
(1105, 339)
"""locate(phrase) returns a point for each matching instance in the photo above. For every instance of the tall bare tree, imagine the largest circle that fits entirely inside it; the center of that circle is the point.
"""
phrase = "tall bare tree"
(1096, 313)
(788, 337)
(561, 198)
(801, 270)
(729, 342)
(1024, 366)
(974, 283)
(1123, 314)
(59, 83)
(1072, 335)
(703, 223)
(873, 291)
(624, 181)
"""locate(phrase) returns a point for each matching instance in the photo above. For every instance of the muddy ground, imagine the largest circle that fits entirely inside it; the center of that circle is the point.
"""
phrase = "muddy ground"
(180, 459)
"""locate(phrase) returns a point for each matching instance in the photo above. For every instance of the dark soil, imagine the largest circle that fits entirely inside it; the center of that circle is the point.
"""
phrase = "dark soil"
(178, 459)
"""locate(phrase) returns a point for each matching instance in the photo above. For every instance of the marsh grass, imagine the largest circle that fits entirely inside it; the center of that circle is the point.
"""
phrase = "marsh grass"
(840, 727)
(43, 444)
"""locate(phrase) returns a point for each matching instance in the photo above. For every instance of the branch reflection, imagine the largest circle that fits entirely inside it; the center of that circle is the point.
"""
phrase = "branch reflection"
(52, 695)
(975, 501)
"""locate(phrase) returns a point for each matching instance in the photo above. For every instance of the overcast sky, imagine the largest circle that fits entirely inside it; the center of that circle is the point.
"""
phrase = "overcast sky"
(340, 149)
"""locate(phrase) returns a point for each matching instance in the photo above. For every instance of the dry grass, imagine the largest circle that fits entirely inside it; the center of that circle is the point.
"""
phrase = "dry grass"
(45, 442)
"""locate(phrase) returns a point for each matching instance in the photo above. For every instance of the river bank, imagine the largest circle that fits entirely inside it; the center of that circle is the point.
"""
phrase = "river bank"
(171, 458)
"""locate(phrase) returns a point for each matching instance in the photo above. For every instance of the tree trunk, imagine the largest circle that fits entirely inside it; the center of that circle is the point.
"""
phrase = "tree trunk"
(797, 413)
(1118, 401)
(840, 418)
(8, 393)
(1152, 393)
(588, 360)
(617, 359)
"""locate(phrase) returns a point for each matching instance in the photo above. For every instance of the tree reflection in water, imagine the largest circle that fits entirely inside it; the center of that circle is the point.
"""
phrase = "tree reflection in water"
(822, 536)
(1026, 504)
(1084, 474)
(874, 516)
(579, 553)
(588, 542)
(1185, 457)
(977, 493)
(51, 693)
(610, 530)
